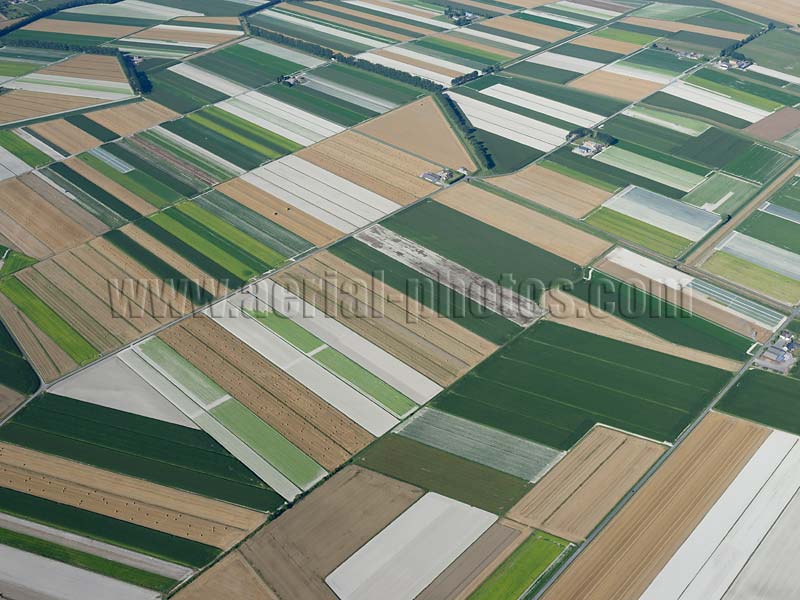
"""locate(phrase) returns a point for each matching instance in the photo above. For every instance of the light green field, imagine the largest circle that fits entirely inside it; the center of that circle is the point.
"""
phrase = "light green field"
(638, 232)
(288, 330)
(138, 182)
(649, 168)
(519, 571)
(577, 175)
(268, 443)
(365, 381)
(182, 371)
(754, 277)
(46, 319)
(671, 121)
(717, 187)
(738, 95)
(622, 35)
(22, 149)
(669, 12)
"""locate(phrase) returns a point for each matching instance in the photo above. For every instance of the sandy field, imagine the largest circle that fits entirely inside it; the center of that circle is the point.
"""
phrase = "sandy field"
(553, 190)
(777, 125)
(387, 20)
(399, 37)
(188, 35)
(138, 501)
(527, 28)
(9, 400)
(33, 224)
(786, 11)
(592, 319)
(524, 223)
(88, 66)
(677, 26)
(387, 171)
(601, 43)
(297, 413)
(18, 105)
(49, 360)
(232, 577)
(616, 85)
(294, 553)
(705, 308)
(420, 128)
(435, 346)
(580, 490)
(477, 562)
(135, 202)
(132, 118)
(81, 28)
(210, 20)
(275, 209)
(627, 555)
(65, 135)
(422, 64)
(71, 209)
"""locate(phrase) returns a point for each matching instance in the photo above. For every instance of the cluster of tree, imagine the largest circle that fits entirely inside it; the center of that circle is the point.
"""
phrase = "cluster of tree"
(64, 46)
(285, 40)
(456, 116)
(259, 8)
(457, 15)
(462, 79)
(50, 11)
(140, 82)
(594, 134)
(731, 51)
(365, 65)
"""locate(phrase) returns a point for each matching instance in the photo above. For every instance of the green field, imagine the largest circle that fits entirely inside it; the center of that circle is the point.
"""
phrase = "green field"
(644, 133)
(138, 182)
(745, 90)
(15, 372)
(759, 163)
(664, 319)
(766, 398)
(83, 560)
(574, 173)
(186, 161)
(715, 147)
(435, 295)
(325, 106)
(444, 473)
(370, 83)
(107, 199)
(778, 49)
(137, 446)
(247, 66)
(519, 571)
(211, 8)
(334, 42)
(466, 54)
(689, 41)
(180, 93)
(23, 150)
(92, 128)
(773, 230)
(789, 195)
(15, 68)
(553, 383)
(638, 232)
(623, 35)
(30, 36)
(502, 258)
(153, 166)
(48, 321)
(754, 277)
(658, 166)
(659, 61)
(542, 72)
(106, 529)
(668, 120)
(586, 53)
(299, 468)
(717, 187)
(722, 19)
(663, 100)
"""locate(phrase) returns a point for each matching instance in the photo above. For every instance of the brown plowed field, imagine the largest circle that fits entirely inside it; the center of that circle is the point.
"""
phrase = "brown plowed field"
(135, 202)
(295, 552)
(387, 171)
(422, 64)
(303, 10)
(35, 225)
(687, 299)
(553, 190)
(71, 209)
(787, 11)
(631, 550)
(574, 496)
(88, 66)
(526, 28)
(135, 500)
(678, 26)
(569, 310)
(434, 345)
(342, 8)
(211, 20)
(9, 400)
(49, 360)
(524, 223)
(189, 35)
(422, 129)
(601, 43)
(65, 135)
(777, 125)
(232, 577)
(297, 413)
(81, 28)
(19, 105)
(616, 85)
(469, 570)
(132, 118)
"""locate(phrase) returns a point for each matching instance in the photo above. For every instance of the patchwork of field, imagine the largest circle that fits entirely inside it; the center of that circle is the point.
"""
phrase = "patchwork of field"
(628, 554)
(546, 398)
(176, 40)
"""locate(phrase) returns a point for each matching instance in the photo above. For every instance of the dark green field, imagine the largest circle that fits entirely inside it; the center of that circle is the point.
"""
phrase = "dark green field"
(325, 106)
(553, 383)
(138, 446)
(92, 128)
(15, 372)
(645, 134)
(447, 474)
(662, 100)
(426, 291)
(542, 72)
(370, 83)
(247, 66)
(789, 195)
(765, 397)
(496, 255)
(774, 230)
(180, 93)
(661, 318)
(586, 53)
(714, 147)
(759, 163)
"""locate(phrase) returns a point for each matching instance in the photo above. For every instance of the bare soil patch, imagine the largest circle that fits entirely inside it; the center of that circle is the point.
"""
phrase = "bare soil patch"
(121, 193)
(65, 135)
(232, 577)
(601, 43)
(786, 11)
(616, 85)
(19, 105)
(399, 37)
(132, 118)
(81, 28)
(777, 125)
(527, 28)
